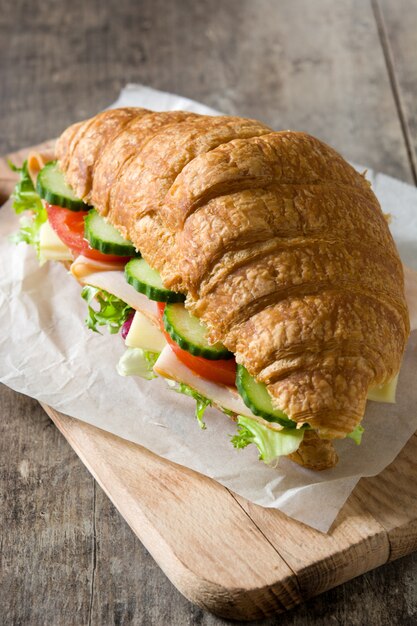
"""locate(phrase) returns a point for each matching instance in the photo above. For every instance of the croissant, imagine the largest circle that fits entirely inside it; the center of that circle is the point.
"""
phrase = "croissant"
(278, 243)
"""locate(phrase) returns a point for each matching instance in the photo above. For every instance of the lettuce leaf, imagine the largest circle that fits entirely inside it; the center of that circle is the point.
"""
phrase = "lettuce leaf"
(356, 434)
(271, 443)
(137, 362)
(25, 198)
(112, 311)
(201, 402)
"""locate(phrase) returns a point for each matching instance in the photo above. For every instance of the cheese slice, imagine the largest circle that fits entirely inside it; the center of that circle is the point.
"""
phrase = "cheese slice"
(384, 393)
(144, 334)
(105, 276)
(51, 248)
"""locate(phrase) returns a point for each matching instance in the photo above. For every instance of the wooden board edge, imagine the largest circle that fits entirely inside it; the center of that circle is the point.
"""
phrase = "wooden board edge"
(259, 602)
(235, 603)
(346, 552)
(393, 501)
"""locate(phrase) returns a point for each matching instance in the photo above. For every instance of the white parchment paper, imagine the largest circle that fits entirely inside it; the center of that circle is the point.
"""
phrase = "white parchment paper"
(46, 352)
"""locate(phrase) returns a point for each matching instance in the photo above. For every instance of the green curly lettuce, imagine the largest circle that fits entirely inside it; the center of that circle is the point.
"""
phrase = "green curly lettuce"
(112, 312)
(201, 402)
(356, 434)
(25, 198)
(271, 444)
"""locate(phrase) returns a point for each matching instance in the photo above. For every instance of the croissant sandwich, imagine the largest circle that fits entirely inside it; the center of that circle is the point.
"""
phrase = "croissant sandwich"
(254, 268)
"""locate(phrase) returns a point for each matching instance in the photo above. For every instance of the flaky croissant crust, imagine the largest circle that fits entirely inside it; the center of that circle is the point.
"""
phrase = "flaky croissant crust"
(279, 244)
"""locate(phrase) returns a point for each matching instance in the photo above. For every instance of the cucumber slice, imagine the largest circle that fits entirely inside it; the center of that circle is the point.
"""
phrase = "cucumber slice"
(191, 334)
(257, 398)
(51, 186)
(148, 281)
(104, 237)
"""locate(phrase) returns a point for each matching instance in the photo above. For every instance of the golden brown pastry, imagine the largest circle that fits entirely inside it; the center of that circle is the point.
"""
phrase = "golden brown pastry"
(279, 244)
(315, 453)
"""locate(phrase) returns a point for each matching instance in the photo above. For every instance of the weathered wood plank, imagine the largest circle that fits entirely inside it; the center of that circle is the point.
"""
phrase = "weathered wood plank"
(398, 31)
(355, 544)
(393, 501)
(184, 509)
(44, 535)
(64, 561)
(316, 66)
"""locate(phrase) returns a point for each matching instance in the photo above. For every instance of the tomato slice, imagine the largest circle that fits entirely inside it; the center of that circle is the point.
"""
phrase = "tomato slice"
(69, 226)
(221, 371)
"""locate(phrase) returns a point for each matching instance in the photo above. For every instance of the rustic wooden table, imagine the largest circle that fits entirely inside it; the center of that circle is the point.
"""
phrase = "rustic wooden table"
(345, 71)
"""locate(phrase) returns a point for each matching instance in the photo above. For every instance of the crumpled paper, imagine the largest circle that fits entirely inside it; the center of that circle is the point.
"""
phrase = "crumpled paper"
(49, 354)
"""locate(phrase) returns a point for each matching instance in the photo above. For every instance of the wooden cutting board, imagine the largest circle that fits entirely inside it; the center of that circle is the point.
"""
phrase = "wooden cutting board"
(225, 554)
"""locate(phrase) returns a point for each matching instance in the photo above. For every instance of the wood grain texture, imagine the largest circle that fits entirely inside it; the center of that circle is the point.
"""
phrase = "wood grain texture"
(397, 24)
(393, 505)
(314, 66)
(320, 68)
(237, 565)
(209, 547)
(42, 537)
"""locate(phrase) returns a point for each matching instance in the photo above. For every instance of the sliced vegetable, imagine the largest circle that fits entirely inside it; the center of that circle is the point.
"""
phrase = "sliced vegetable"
(149, 282)
(105, 237)
(271, 443)
(51, 186)
(127, 324)
(143, 333)
(257, 398)
(111, 313)
(137, 362)
(220, 371)
(191, 334)
(69, 226)
(384, 393)
(25, 198)
(51, 248)
(356, 434)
